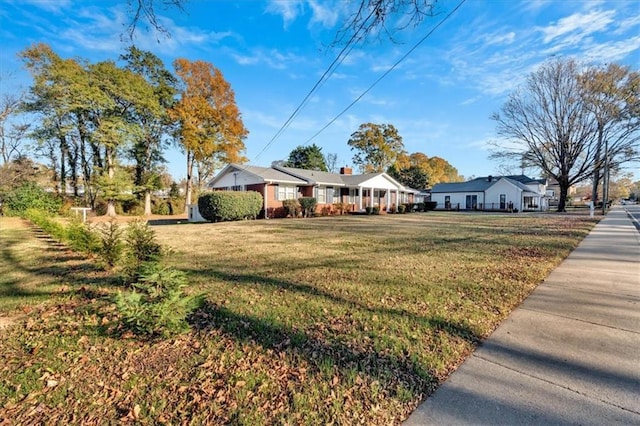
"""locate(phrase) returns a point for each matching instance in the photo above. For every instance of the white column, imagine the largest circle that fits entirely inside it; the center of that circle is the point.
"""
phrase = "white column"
(359, 198)
(266, 203)
(371, 198)
(388, 199)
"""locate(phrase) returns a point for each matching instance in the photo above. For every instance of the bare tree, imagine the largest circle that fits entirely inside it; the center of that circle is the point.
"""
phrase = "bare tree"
(547, 123)
(12, 133)
(613, 97)
(382, 18)
(331, 160)
(145, 11)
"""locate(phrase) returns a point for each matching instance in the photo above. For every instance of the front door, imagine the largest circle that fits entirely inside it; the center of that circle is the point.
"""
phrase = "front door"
(472, 202)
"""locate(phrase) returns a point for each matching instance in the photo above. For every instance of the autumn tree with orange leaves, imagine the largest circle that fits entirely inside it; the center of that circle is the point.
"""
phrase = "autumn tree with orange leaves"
(209, 122)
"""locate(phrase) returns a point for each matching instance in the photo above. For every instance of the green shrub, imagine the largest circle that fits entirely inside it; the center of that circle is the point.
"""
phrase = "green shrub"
(230, 205)
(420, 207)
(368, 210)
(157, 306)
(140, 247)
(27, 196)
(81, 237)
(308, 205)
(408, 207)
(291, 207)
(160, 207)
(402, 208)
(43, 219)
(430, 205)
(375, 210)
(111, 247)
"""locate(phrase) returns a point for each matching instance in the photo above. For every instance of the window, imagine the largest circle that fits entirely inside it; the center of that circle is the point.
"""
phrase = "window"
(503, 201)
(237, 188)
(330, 195)
(353, 193)
(321, 195)
(286, 192)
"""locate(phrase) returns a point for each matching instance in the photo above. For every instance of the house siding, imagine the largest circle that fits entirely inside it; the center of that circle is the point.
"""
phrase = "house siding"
(514, 194)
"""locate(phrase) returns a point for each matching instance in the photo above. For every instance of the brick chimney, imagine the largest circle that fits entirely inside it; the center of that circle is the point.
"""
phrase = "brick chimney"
(346, 170)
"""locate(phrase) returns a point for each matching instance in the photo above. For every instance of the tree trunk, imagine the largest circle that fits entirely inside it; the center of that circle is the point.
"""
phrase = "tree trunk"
(564, 190)
(111, 206)
(189, 181)
(147, 203)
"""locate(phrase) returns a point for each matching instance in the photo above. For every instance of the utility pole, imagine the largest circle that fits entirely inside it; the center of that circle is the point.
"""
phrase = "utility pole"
(605, 178)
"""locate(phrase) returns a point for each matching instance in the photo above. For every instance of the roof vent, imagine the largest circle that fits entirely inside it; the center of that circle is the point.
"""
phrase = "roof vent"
(490, 178)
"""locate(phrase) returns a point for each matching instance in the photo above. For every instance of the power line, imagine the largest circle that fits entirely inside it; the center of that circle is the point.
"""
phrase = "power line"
(325, 76)
(394, 66)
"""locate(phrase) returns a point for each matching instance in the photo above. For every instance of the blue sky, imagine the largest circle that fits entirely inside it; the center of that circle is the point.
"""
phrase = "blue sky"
(273, 52)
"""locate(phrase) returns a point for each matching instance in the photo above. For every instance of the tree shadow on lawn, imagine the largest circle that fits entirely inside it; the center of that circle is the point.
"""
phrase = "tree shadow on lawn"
(67, 268)
(396, 375)
(318, 345)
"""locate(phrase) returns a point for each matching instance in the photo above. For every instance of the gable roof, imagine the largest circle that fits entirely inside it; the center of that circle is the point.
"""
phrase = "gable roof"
(313, 176)
(480, 185)
(266, 174)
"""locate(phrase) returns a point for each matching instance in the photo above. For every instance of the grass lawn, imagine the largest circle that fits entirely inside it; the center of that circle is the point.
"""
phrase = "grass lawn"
(345, 320)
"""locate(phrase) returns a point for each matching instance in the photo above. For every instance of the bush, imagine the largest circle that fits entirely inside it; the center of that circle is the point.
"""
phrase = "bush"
(27, 196)
(157, 306)
(160, 207)
(230, 205)
(43, 219)
(375, 210)
(430, 205)
(340, 208)
(420, 207)
(402, 208)
(141, 247)
(81, 237)
(291, 207)
(308, 205)
(111, 245)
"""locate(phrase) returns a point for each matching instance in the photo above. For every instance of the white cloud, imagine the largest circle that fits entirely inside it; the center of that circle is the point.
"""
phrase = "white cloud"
(273, 58)
(612, 51)
(579, 25)
(324, 14)
(52, 6)
(506, 38)
(288, 9)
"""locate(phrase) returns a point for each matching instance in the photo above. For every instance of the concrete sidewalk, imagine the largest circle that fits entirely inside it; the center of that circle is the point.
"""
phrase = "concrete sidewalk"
(570, 354)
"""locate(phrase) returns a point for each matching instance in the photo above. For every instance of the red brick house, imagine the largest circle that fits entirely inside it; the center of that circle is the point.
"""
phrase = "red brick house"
(277, 184)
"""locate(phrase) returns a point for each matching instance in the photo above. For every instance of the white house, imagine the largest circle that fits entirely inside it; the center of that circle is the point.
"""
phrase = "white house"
(500, 193)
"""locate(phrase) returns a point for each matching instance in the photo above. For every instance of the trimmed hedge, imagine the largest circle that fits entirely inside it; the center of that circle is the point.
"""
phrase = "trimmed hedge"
(221, 206)
(308, 205)
(430, 205)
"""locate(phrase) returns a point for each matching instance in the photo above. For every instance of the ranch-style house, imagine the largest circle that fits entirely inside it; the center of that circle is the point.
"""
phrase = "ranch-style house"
(276, 184)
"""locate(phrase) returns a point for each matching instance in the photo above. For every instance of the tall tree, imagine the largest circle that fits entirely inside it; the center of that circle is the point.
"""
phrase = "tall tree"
(547, 123)
(307, 157)
(12, 132)
(210, 123)
(149, 144)
(612, 94)
(124, 95)
(377, 147)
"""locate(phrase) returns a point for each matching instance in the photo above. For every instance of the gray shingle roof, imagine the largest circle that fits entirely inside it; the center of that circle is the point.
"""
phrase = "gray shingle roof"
(313, 176)
(478, 185)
